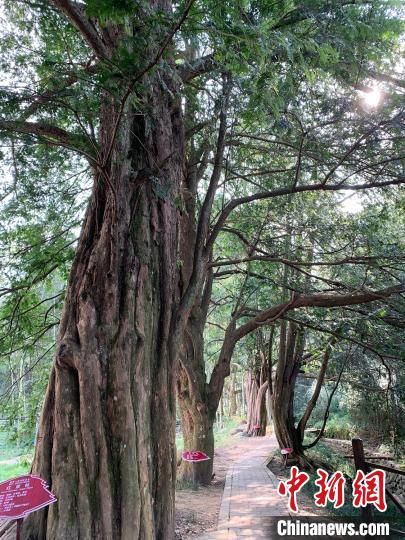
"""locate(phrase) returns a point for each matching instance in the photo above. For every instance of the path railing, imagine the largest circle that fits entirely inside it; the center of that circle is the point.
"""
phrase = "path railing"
(361, 463)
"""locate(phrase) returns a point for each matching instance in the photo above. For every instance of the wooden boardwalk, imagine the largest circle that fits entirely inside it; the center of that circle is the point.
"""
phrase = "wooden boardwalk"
(250, 498)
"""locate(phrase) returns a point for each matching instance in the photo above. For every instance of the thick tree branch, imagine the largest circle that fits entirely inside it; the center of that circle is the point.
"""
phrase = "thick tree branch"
(266, 317)
(280, 192)
(273, 258)
(318, 387)
(49, 134)
(80, 21)
(190, 70)
(314, 300)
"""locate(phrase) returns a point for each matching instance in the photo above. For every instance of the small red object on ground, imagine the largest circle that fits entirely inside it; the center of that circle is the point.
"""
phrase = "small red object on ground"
(22, 495)
(286, 452)
(194, 456)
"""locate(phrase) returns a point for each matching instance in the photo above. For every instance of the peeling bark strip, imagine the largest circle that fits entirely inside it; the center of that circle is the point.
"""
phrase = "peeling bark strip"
(106, 443)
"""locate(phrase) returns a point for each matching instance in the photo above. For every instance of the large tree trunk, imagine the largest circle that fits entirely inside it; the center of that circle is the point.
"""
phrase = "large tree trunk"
(233, 403)
(283, 420)
(289, 433)
(256, 405)
(198, 400)
(198, 434)
(106, 441)
(196, 416)
(282, 395)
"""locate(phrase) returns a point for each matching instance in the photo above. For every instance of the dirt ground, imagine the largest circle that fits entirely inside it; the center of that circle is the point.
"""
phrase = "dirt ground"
(197, 511)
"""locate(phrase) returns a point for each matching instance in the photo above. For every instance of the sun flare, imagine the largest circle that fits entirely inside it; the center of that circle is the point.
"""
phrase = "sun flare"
(372, 98)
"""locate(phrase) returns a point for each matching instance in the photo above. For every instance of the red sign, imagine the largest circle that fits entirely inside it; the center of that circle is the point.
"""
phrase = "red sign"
(194, 456)
(22, 495)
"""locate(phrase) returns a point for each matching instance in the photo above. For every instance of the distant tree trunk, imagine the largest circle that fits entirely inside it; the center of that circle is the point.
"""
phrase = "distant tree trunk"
(251, 390)
(257, 384)
(282, 396)
(243, 397)
(233, 404)
(198, 434)
(289, 433)
(197, 419)
(106, 436)
(268, 407)
(256, 405)
(261, 411)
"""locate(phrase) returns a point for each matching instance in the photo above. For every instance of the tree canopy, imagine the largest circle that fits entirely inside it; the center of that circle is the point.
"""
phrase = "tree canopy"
(178, 176)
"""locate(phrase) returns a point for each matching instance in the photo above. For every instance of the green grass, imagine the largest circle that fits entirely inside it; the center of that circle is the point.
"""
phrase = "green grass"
(222, 436)
(323, 454)
(10, 449)
(13, 469)
(338, 427)
(7, 450)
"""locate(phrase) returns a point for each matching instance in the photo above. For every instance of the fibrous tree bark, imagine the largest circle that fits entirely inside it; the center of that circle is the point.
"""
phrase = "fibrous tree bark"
(109, 410)
(257, 385)
(106, 436)
(197, 418)
(290, 432)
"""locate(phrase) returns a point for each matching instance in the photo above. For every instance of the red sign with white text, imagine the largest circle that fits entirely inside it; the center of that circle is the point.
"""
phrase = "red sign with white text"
(194, 456)
(22, 495)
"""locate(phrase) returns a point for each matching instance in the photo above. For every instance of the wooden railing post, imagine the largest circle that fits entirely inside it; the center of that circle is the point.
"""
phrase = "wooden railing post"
(359, 463)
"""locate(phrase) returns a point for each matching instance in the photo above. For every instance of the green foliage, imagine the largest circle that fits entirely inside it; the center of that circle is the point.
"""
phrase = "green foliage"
(222, 434)
(11, 470)
(110, 9)
(339, 427)
(324, 455)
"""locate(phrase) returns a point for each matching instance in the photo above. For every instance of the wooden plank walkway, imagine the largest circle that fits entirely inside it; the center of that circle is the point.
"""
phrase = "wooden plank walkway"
(250, 497)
